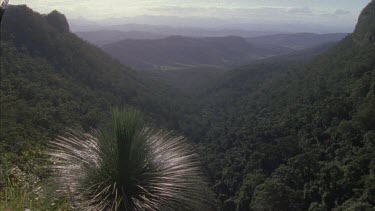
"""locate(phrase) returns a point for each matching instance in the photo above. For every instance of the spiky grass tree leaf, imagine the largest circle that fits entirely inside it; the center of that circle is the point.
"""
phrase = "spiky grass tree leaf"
(130, 168)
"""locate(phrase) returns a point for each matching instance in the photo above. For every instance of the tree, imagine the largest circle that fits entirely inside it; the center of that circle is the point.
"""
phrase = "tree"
(273, 195)
(249, 184)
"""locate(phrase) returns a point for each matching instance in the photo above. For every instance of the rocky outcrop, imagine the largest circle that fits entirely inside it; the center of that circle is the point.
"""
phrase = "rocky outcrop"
(58, 21)
(364, 33)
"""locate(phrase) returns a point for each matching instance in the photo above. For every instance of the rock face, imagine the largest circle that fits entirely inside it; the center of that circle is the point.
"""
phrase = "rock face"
(365, 30)
(58, 20)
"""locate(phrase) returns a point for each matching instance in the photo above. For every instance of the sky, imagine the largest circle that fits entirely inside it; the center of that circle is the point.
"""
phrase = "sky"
(335, 13)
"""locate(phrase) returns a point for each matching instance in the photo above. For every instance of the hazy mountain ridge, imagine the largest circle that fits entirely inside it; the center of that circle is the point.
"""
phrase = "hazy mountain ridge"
(166, 30)
(297, 41)
(213, 26)
(177, 52)
(194, 60)
(103, 37)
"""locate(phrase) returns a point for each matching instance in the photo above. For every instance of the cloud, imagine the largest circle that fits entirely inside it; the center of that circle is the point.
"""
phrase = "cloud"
(300, 10)
(340, 12)
(246, 13)
(222, 11)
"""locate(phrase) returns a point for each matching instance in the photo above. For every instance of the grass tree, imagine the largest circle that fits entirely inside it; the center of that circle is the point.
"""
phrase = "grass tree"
(130, 167)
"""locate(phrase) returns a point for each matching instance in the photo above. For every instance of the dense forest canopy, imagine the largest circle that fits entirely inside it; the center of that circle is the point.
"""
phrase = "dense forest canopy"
(290, 133)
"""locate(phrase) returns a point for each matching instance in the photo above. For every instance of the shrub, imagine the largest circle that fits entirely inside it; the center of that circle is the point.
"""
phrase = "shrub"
(131, 167)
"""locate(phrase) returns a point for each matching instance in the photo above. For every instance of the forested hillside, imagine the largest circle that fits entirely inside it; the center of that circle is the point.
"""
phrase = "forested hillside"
(294, 135)
(51, 80)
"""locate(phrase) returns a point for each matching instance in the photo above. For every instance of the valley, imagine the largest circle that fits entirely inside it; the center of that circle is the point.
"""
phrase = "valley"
(278, 121)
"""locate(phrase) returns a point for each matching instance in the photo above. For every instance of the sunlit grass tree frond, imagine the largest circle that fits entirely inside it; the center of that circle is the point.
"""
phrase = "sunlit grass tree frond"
(132, 167)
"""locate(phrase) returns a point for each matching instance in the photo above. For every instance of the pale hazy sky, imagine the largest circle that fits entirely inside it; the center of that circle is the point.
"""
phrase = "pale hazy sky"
(328, 12)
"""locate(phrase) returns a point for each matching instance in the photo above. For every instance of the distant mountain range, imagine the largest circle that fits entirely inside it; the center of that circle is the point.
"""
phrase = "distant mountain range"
(208, 24)
(103, 37)
(297, 41)
(92, 32)
(177, 52)
(89, 29)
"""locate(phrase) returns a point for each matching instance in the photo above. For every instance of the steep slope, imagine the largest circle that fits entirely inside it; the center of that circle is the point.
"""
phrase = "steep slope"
(291, 135)
(52, 80)
(178, 52)
(365, 29)
(296, 41)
